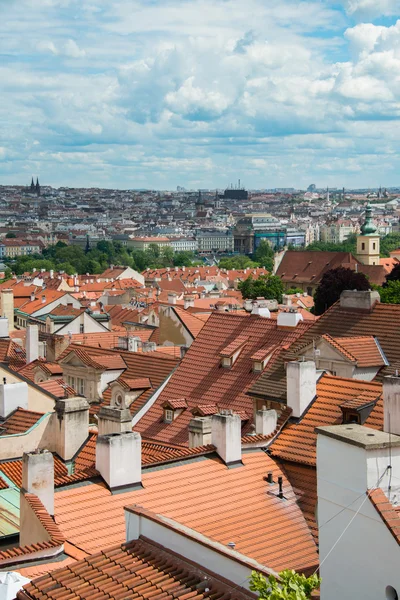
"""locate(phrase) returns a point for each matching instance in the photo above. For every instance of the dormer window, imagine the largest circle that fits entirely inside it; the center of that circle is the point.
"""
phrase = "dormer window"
(168, 415)
(231, 353)
(173, 408)
(262, 357)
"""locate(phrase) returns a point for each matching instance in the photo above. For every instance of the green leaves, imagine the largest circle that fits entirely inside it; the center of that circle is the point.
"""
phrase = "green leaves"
(289, 586)
(266, 286)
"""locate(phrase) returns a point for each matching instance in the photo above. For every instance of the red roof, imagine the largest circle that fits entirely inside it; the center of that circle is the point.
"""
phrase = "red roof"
(201, 379)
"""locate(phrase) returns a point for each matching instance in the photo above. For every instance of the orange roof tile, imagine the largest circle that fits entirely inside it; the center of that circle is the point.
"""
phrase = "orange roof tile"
(201, 380)
(203, 495)
(192, 323)
(13, 470)
(20, 421)
(388, 513)
(139, 569)
(58, 388)
(297, 442)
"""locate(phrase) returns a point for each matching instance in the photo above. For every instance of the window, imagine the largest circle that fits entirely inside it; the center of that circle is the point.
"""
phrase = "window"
(391, 593)
(80, 386)
(373, 245)
(71, 381)
(81, 328)
(363, 246)
(168, 415)
(118, 400)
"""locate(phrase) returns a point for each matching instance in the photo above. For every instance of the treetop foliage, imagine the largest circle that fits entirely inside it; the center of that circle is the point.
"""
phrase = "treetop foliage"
(289, 586)
(333, 283)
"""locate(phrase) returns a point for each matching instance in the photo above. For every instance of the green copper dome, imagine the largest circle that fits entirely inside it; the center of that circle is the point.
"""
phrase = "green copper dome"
(368, 228)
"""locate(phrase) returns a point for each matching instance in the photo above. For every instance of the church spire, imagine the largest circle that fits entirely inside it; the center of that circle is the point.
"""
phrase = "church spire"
(37, 187)
(368, 227)
(32, 185)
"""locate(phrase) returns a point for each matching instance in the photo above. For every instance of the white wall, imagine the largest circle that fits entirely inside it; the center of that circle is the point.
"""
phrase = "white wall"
(366, 559)
(194, 546)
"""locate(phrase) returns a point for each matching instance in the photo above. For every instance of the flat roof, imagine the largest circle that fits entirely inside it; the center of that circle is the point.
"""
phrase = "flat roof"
(358, 435)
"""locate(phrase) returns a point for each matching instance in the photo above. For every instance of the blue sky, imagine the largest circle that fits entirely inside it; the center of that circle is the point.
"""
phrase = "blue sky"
(199, 93)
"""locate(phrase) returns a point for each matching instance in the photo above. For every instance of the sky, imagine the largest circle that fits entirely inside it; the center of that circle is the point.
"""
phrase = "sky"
(199, 93)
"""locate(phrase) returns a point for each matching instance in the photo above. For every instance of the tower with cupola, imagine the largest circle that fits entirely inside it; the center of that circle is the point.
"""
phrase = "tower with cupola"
(368, 241)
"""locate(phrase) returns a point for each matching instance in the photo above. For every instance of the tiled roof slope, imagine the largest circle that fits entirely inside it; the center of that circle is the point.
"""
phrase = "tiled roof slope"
(309, 266)
(201, 379)
(364, 349)
(390, 516)
(152, 453)
(138, 569)
(153, 366)
(20, 421)
(223, 504)
(297, 441)
(13, 470)
(193, 324)
(56, 538)
(108, 340)
(303, 480)
(383, 322)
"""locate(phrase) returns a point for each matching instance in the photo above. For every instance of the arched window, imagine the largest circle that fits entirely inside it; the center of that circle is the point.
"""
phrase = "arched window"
(391, 593)
(118, 400)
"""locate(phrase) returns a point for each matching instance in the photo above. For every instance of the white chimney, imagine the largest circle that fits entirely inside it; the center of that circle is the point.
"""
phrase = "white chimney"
(226, 434)
(32, 343)
(134, 344)
(301, 383)
(112, 419)
(188, 301)
(33, 297)
(266, 421)
(290, 319)
(43, 299)
(70, 426)
(51, 273)
(248, 305)
(391, 404)
(119, 459)
(171, 298)
(3, 327)
(12, 396)
(352, 460)
(260, 308)
(200, 431)
(7, 307)
(38, 477)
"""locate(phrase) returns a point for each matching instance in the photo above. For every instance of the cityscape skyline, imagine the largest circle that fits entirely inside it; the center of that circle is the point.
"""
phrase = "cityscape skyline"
(196, 93)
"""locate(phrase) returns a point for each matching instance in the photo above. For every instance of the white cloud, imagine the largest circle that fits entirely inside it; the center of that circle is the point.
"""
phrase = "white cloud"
(369, 9)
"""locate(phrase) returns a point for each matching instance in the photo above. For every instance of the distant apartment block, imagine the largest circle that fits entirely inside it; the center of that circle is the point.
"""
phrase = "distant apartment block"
(143, 243)
(215, 241)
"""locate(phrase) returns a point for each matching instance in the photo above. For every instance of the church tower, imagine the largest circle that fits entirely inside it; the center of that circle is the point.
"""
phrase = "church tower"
(37, 187)
(33, 188)
(368, 242)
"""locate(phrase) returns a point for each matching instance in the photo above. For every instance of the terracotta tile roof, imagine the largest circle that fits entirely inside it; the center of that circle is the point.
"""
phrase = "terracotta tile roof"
(201, 380)
(20, 421)
(58, 388)
(13, 470)
(383, 322)
(30, 307)
(364, 349)
(203, 495)
(297, 442)
(388, 513)
(111, 273)
(63, 310)
(152, 453)
(303, 480)
(192, 323)
(204, 410)
(3, 484)
(108, 340)
(138, 569)
(12, 354)
(56, 538)
(33, 571)
(140, 383)
(283, 417)
(234, 346)
(264, 352)
(176, 403)
(309, 266)
(96, 360)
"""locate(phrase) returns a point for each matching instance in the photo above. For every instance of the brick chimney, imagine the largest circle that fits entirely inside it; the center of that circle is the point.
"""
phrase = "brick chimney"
(226, 434)
(119, 459)
(32, 343)
(301, 383)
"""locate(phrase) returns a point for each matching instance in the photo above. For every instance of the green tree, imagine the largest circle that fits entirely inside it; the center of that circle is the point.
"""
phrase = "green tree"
(183, 259)
(237, 262)
(264, 255)
(10, 234)
(7, 274)
(289, 586)
(333, 283)
(266, 286)
(390, 292)
(394, 275)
